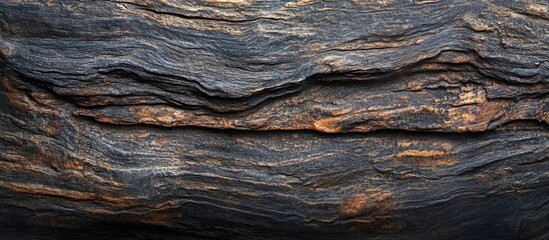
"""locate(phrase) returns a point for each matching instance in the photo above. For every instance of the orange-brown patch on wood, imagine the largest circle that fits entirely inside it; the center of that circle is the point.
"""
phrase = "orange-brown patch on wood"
(17, 97)
(407, 175)
(414, 86)
(47, 100)
(39, 189)
(462, 58)
(475, 117)
(374, 202)
(299, 3)
(25, 101)
(477, 25)
(373, 3)
(228, 1)
(405, 144)
(160, 141)
(231, 2)
(53, 128)
(489, 111)
(468, 116)
(66, 164)
(73, 164)
(470, 95)
(429, 109)
(404, 98)
(328, 125)
(163, 116)
(537, 10)
(145, 114)
(426, 158)
(418, 153)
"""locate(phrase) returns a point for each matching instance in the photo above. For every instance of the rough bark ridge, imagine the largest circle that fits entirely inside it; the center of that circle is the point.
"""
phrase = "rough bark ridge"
(270, 119)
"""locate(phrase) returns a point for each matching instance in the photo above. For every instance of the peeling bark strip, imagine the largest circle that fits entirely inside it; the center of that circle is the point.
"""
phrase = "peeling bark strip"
(264, 119)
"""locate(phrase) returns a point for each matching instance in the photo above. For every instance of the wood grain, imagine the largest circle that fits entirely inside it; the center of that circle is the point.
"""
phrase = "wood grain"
(262, 119)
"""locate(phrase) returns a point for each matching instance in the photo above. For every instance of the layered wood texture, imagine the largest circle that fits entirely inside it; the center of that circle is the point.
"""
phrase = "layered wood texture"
(256, 119)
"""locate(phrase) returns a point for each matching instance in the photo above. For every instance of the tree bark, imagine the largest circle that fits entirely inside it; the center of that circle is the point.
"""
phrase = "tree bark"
(264, 119)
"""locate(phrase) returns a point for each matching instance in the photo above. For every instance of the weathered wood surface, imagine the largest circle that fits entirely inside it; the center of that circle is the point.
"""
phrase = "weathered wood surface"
(274, 119)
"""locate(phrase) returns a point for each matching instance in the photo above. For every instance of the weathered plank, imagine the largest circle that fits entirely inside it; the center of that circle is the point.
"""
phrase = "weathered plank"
(274, 119)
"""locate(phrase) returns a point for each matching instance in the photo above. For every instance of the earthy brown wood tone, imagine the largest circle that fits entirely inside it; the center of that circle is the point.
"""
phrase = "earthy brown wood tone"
(264, 119)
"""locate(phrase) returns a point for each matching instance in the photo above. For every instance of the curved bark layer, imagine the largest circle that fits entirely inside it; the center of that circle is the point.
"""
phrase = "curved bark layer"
(428, 118)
